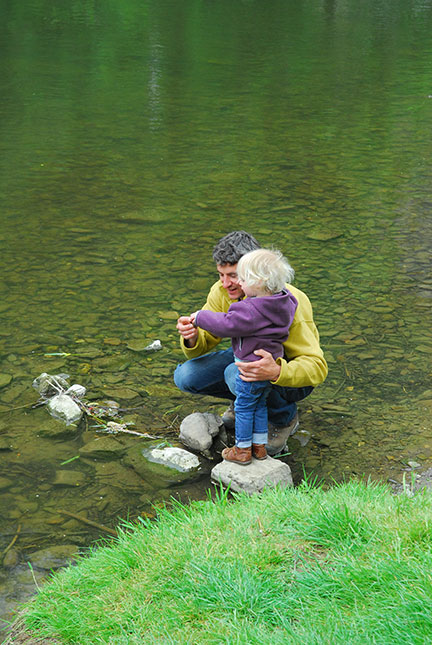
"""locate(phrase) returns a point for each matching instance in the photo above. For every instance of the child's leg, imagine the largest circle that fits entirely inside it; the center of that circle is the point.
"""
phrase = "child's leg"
(260, 431)
(244, 407)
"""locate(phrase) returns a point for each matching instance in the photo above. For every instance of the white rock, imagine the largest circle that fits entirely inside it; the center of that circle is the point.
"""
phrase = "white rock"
(77, 390)
(64, 408)
(174, 458)
(254, 477)
(153, 347)
(44, 382)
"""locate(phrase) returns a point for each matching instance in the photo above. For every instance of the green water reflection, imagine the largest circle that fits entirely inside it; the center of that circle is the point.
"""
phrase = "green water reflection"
(133, 135)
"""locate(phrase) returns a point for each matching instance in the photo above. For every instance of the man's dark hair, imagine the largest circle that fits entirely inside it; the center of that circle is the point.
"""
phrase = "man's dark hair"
(233, 246)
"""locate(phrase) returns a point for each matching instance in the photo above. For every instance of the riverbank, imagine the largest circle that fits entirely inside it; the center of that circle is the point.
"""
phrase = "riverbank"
(348, 564)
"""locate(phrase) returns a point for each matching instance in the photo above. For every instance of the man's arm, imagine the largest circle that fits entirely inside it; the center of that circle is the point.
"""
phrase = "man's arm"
(187, 331)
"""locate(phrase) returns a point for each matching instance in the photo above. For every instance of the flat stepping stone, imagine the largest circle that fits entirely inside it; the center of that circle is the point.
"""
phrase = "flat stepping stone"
(253, 478)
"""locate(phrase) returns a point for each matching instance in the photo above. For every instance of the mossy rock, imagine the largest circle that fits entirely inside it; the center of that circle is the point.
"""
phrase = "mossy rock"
(156, 474)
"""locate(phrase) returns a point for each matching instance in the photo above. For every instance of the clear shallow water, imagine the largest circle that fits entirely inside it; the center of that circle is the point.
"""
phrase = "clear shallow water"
(133, 136)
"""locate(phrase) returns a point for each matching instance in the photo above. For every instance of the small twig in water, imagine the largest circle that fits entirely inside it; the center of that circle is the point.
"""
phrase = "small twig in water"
(80, 518)
(10, 545)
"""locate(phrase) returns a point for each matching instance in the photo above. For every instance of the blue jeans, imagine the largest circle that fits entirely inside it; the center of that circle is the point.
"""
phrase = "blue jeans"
(214, 375)
(251, 421)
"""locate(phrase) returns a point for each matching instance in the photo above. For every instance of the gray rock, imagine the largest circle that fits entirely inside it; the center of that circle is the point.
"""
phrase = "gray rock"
(44, 382)
(64, 408)
(197, 431)
(254, 477)
(214, 423)
(54, 557)
(177, 458)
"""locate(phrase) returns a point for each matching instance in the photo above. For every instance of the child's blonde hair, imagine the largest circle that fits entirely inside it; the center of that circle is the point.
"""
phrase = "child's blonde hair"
(266, 269)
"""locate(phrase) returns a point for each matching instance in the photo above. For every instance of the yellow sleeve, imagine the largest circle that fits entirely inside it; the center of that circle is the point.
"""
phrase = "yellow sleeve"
(303, 363)
(217, 300)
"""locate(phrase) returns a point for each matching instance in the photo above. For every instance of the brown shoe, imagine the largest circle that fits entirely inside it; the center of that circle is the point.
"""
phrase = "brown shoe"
(259, 451)
(242, 456)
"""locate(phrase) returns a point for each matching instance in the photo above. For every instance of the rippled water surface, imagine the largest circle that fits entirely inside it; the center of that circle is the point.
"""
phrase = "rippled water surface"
(134, 134)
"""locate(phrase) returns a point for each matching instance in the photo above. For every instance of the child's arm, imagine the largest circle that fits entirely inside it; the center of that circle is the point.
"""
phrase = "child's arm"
(237, 322)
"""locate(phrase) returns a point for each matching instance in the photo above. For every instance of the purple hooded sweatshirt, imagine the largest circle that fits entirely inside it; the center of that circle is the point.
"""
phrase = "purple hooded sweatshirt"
(260, 322)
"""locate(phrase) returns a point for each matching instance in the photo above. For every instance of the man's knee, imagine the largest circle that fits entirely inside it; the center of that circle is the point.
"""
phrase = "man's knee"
(185, 377)
(230, 374)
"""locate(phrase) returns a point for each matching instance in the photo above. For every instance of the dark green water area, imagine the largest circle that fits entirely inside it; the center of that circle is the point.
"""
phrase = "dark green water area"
(134, 134)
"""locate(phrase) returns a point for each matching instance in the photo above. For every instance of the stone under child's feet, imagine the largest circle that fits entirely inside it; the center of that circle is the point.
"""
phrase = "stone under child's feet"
(259, 451)
(242, 456)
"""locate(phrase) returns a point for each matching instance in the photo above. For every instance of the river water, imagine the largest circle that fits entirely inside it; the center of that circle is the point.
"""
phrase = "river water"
(134, 134)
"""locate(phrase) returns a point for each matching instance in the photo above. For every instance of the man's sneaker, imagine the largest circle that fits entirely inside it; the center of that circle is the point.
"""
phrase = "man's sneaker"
(278, 436)
(228, 417)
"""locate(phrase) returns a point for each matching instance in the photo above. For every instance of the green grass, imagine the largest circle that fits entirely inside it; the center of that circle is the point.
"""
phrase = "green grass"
(352, 564)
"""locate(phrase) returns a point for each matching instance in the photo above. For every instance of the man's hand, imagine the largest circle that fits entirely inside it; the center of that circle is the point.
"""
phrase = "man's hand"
(187, 330)
(266, 369)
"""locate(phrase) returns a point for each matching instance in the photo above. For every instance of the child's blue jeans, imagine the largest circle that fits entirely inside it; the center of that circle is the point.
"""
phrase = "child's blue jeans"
(250, 406)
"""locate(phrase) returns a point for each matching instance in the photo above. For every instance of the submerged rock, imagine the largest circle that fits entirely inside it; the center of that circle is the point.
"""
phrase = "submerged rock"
(52, 427)
(5, 379)
(69, 478)
(54, 557)
(5, 483)
(5, 443)
(254, 477)
(63, 407)
(11, 559)
(102, 448)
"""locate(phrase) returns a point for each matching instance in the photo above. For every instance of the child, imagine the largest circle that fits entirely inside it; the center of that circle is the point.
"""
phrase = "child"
(260, 321)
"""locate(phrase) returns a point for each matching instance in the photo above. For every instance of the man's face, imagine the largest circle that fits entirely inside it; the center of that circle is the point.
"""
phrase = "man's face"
(229, 278)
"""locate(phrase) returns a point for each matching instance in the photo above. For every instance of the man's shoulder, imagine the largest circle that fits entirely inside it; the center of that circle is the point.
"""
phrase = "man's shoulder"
(304, 307)
(296, 292)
